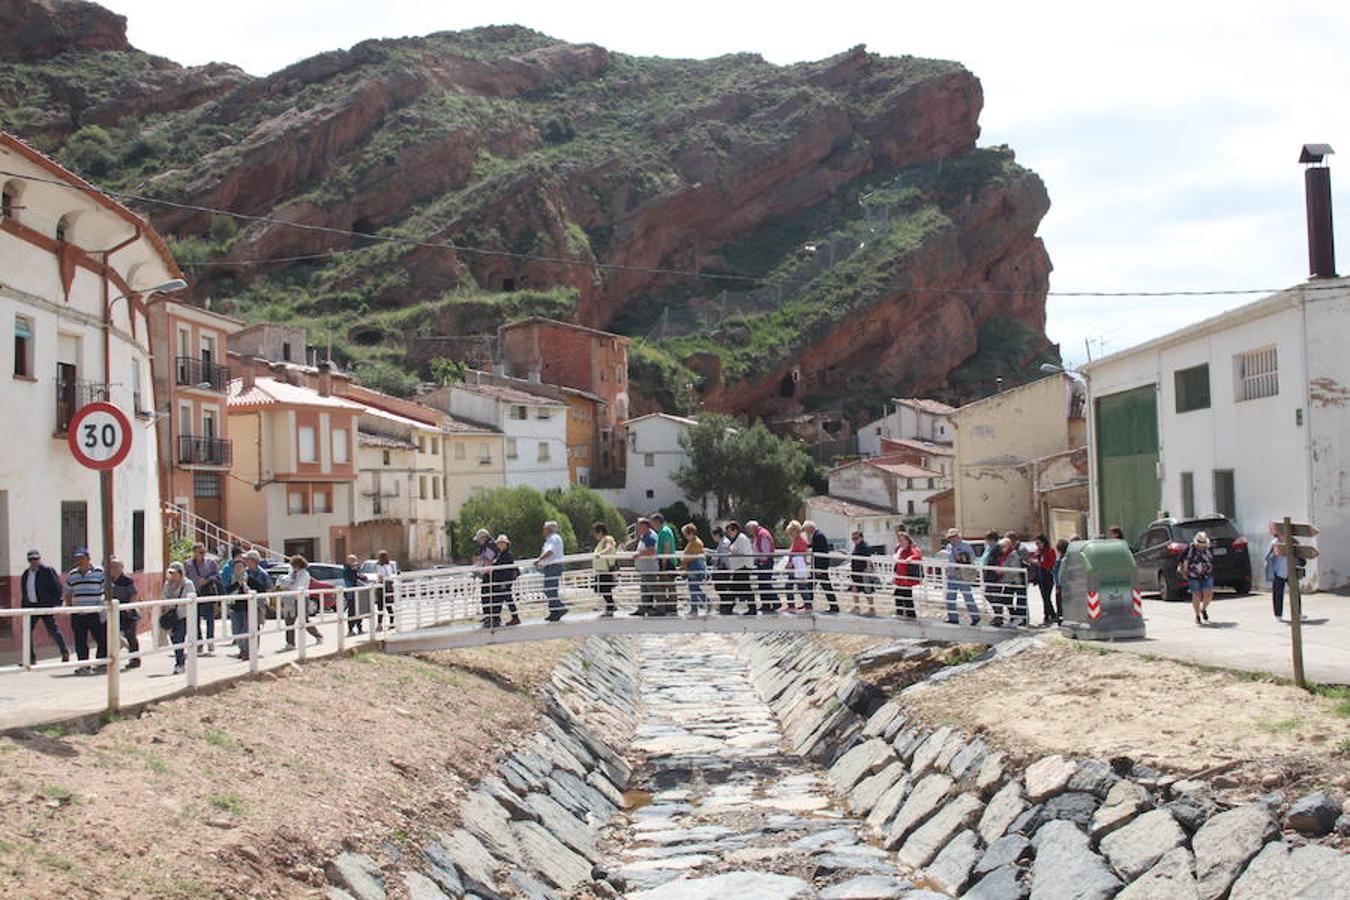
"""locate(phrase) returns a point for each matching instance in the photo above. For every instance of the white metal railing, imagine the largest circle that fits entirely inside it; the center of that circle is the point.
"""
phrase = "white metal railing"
(465, 594)
(264, 614)
(184, 523)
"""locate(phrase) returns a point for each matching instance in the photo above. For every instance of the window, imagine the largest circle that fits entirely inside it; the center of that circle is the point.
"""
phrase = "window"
(518, 412)
(340, 445)
(1225, 493)
(543, 452)
(184, 341)
(321, 502)
(511, 449)
(435, 487)
(421, 448)
(650, 493)
(543, 413)
(386, 457)
(308, 447)
(286, 351)
(208, 423)
(23, 347)
(1192, 388)
(1188, 494)
(138, 540)
(435, 446)
(137, 403)
(460, 452)
(421, 487)
(8, 202)
(205, 486)
(484, 454)
(909, 507)
(185, 423)
(649, 460)
(297, 502)
(208, 349)
(1256, 374)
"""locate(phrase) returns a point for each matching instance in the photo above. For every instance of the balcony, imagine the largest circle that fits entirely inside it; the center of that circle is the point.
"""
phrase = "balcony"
(71, 395)
(204, 451)
(189, 371)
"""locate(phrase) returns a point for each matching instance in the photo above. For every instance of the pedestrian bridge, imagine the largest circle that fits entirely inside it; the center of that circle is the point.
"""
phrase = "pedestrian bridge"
(442, 609)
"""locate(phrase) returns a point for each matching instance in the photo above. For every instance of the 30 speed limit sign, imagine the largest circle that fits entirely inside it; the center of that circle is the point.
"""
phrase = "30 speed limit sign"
(99, 436)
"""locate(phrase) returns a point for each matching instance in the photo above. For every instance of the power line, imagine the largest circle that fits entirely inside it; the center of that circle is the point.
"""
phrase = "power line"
(574, 261)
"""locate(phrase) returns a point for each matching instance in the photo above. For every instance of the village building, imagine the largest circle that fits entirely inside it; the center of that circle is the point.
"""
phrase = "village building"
(533, 429)
(876, 496)
(1020, 462)
(907, 417)
(78, 270)
(655, 454)
(1245, 414)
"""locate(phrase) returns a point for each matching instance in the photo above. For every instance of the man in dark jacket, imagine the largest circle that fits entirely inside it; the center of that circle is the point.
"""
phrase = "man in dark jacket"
(40, 586)
(820, 563)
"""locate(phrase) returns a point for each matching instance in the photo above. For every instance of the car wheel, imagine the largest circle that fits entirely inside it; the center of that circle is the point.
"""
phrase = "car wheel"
(1243, 587)
(1168, 589)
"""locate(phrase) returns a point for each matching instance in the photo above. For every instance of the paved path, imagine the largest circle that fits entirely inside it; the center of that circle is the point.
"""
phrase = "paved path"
(1243, 634)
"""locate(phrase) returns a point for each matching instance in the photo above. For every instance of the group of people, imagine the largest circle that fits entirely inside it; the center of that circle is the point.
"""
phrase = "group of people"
(200, 577)
(498, 573)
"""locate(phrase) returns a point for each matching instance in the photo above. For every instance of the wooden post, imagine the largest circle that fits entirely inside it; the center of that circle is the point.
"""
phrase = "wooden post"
(1295, 601)
(113, 639)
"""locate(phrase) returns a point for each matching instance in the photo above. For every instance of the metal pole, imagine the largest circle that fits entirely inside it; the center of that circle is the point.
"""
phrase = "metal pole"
(114, 642)
(342, 621)
(192, 642)
(301, 620)
(26, 620)
(1295, 602)
(252, 639)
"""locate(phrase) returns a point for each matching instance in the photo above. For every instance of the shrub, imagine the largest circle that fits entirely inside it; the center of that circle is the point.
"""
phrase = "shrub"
(519, 513)
(583, 507)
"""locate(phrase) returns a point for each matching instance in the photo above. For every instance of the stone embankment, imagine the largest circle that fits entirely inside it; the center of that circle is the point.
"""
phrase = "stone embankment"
(964, 821)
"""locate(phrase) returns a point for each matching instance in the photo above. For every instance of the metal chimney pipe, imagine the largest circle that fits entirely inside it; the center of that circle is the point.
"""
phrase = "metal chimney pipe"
(1317, 189)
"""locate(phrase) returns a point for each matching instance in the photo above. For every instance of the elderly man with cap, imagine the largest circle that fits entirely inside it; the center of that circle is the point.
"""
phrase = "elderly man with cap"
(960, 575)
(85, 586)
(550, 562)
(40, 588)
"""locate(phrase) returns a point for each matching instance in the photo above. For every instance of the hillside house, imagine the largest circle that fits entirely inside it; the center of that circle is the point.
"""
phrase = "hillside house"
(907, 418)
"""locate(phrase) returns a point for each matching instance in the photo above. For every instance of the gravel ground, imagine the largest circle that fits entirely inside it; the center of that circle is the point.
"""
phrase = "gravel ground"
(247, 792)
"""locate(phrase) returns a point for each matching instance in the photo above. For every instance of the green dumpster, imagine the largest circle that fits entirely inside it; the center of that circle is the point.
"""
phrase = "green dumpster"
(1097, 593)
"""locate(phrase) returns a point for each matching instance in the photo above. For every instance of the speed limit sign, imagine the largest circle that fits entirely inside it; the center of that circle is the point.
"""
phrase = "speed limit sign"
(99, 436)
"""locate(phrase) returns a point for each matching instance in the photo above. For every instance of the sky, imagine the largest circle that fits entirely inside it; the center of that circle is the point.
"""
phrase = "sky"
(1167, 133)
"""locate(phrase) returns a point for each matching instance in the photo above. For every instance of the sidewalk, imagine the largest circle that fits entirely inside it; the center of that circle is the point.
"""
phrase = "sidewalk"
(36, 697)
(1243, 634)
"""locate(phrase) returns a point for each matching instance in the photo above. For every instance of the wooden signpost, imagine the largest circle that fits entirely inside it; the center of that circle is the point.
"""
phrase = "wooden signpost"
(1294, 553)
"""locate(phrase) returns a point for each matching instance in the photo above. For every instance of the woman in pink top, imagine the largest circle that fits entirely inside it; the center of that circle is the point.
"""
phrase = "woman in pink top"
(799, 569)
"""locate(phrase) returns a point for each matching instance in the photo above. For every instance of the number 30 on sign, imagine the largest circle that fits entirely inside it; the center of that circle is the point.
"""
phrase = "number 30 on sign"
(99, 436)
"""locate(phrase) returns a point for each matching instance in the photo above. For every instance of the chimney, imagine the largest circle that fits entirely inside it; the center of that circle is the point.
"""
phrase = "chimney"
(499, 369)
(246, 377)
(1317, 187)
(535, 376)
(325, 378)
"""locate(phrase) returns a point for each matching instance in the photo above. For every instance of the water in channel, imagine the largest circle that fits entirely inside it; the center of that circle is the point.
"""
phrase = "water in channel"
(720, 809)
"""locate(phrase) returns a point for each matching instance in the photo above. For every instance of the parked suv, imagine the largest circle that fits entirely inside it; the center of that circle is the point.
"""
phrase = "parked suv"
(1159, 550)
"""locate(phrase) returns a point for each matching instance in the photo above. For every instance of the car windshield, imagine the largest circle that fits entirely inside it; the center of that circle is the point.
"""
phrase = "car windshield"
(368, 566)
(1216, 529)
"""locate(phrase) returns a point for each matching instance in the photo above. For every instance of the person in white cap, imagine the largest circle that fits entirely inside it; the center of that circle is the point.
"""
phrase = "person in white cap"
(960, 576)
(500, 578)
(484, 558)
(177, 586)
(550, 562)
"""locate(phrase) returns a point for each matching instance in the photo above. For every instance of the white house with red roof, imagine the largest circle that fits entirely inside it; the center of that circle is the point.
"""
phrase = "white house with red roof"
(914, 418)
(533, 428)
(876, 495)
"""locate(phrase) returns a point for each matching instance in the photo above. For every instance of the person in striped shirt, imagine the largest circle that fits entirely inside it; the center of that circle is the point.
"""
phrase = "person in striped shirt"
(85, 586)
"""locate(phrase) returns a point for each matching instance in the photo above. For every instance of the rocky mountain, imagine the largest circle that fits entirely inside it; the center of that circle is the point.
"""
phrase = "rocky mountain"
(851, 239)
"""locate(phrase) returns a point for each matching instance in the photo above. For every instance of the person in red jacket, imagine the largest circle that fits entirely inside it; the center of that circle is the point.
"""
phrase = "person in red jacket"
(1042, 565)
(908, 574)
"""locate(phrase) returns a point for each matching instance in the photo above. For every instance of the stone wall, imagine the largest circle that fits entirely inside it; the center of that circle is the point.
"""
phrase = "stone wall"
(970, 823)
(531, 828)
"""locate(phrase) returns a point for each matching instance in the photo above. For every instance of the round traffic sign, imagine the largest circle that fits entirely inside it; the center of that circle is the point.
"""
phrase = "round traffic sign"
(99, 436)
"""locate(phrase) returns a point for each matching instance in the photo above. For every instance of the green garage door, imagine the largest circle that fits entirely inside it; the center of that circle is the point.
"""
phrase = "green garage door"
(1127, 459)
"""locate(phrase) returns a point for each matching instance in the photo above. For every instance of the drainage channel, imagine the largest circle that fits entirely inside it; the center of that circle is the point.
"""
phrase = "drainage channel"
(717, 807)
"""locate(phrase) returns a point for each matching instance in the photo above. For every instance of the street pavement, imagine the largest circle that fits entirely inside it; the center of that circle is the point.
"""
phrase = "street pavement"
(1244, 634)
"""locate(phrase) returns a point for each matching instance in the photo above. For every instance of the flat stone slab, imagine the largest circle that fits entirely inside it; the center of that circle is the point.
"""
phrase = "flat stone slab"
(1135, 848)
(1066, 869)
(1226, 843)
(1006, 851)
(1313, 815)
(1003, 809)
(926, 841)
(924, 799)
(740, 885)
(469, 858)
(866, 759)
(1001, 884)
(420, 887)
(1171, 878)
(1048, 776)
(867, 887)
(889, 804)
(868, 792)
(1124, 801)
(952, 868)
(358, 875)
(547, 858)
(1311, 871)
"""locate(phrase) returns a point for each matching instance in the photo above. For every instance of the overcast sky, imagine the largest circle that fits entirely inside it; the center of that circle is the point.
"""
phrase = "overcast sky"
(1166, 132)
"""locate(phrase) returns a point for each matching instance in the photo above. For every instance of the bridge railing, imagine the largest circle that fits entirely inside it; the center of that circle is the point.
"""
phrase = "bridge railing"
(493, 595)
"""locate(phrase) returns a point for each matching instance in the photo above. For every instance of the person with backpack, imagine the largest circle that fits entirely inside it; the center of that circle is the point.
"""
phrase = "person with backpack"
(1197, 567)
(908, 574)
(255, 580)
(177, 586)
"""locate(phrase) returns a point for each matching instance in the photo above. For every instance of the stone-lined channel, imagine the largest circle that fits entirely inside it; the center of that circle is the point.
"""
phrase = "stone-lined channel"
(718, 807)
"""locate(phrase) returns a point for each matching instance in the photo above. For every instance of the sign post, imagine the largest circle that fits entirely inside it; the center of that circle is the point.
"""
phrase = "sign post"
(1294, 553)
(99, 437)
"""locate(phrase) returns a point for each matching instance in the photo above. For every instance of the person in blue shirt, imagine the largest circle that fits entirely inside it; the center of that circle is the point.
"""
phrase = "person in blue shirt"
(959, 577)
(85, 585)
(550, 562)
(1277, 573)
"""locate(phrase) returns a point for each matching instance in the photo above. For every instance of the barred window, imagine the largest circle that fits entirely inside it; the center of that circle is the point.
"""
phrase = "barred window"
(1256, 374)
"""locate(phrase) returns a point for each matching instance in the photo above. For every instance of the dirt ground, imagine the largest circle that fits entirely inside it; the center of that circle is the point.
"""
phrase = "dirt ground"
(248, 791)
(1249, 735)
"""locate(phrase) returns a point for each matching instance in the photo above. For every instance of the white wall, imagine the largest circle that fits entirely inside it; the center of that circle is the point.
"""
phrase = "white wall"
(1327, 419)
(651, 487)
(526, 468)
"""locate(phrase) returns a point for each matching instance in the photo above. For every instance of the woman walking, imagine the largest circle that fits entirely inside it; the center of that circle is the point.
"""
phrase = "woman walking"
(695, 566)
(1042, 562)
(298, 581)
(351, 578)
(908, 574)
(799, 570)
(174, 619)
(1197, 567)
(604, 561)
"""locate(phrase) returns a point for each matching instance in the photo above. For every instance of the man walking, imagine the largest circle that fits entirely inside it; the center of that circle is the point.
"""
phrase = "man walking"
(550, 562)
(960, 576)
(665, 552)
(122, 589)
(40, 586)
(739, 562)
(761, 539)
(820, 564)
(645, 564)
(256, 581)
(85, 585)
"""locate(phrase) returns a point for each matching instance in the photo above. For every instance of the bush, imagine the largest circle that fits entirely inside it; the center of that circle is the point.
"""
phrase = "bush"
(583, 507)
(517, 512)
(678, 515)
(89, 152)
(387, 379)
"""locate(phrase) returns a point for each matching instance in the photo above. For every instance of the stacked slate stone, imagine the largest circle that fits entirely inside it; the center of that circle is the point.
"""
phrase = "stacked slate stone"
(967, 824)
(530, 830)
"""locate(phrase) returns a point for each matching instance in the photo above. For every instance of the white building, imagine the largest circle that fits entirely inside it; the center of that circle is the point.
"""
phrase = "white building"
(534, 429)
(907, 418)
(401, 479)
(877, 496)
(1245, 414)
(74, 269)
(654, 456)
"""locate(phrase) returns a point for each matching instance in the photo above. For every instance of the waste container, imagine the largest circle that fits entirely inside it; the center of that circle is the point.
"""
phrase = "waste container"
(1097, 592)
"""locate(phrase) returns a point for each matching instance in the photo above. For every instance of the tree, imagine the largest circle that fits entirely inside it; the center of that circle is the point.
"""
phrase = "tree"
(583, 507)
(678, 514)
(447, 371)
(517, 512)
(752, 471)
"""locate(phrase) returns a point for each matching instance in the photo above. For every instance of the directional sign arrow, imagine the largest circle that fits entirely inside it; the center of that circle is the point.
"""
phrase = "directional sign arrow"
(1301, 551)
(1300, 529)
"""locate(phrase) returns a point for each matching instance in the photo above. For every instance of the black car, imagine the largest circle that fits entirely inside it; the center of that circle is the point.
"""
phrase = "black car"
(1158, 552)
